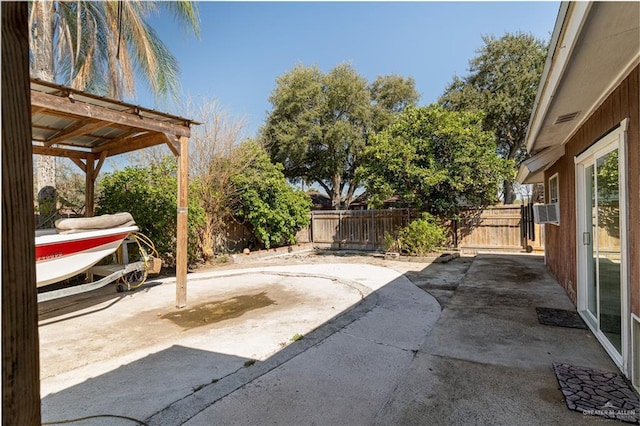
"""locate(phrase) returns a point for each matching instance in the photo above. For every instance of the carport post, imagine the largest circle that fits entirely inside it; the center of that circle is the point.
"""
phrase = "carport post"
(182, 230)
(89, 185)
(20, 344)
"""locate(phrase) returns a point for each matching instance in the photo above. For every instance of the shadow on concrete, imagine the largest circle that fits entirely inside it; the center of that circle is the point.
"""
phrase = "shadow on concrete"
(56, 310)
(141, 388)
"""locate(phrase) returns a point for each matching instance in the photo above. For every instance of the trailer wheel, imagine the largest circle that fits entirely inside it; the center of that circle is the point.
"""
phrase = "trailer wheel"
(120, 288)
(135, 278)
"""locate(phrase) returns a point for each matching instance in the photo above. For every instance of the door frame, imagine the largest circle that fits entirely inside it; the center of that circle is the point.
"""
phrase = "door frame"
(617, 138)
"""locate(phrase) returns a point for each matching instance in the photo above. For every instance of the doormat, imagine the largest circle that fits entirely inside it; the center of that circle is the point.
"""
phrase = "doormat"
(559, 318)
(598, 393)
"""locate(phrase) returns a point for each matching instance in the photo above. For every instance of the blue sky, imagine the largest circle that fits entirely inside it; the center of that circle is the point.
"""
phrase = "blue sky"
(245, 46)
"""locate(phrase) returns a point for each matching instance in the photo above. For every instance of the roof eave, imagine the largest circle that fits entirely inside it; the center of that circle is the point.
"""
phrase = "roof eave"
(571, 18)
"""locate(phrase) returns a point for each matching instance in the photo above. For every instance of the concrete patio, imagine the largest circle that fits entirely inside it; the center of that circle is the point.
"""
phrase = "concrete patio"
(377, 347)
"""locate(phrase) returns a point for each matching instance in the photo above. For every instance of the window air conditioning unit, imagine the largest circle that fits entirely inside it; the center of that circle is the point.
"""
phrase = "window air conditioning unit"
(546, 213)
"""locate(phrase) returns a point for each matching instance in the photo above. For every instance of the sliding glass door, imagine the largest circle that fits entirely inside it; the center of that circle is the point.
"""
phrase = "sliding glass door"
(602, 288)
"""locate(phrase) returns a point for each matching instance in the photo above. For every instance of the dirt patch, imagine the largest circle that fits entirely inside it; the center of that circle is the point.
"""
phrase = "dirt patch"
(219, 310)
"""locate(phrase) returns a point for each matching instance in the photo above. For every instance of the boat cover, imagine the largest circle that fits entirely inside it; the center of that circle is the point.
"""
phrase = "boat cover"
(83, 224)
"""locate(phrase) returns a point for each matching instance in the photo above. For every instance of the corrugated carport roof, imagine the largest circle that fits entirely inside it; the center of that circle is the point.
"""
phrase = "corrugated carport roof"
(71, 123)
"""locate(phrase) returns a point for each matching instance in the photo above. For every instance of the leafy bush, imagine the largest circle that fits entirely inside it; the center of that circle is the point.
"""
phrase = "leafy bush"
(150, 195)
(275, 210)
(257, 193)
(420, 237)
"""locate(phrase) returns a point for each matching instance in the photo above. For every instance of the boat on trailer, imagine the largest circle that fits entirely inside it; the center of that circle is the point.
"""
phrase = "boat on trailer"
(76, 245)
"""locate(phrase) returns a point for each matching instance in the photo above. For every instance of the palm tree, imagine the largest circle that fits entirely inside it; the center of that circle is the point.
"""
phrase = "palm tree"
(101, 47)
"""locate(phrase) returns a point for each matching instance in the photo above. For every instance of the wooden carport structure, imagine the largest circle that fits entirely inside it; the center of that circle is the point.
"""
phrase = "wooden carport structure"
(135, 127)
(88, 129)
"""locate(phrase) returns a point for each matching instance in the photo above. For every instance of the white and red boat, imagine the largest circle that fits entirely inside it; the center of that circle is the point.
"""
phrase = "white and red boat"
(77, 244)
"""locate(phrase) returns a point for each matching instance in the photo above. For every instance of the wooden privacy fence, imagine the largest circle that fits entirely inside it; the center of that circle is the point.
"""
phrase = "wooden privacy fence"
(494, 228)
(355, 229)
(497, 228)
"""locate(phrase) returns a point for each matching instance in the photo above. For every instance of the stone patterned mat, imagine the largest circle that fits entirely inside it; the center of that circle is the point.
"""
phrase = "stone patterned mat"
(559, 318)
(598, 393)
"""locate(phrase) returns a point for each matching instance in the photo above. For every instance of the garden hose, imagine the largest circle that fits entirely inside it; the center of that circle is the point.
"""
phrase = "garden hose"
(142, 241)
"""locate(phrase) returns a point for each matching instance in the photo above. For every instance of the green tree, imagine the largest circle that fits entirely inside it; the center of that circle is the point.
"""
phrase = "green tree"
(441, 160)
(502, 83)
(274, 209)
(150, 195)
(101, 46)
(390, 95)
(320, 124)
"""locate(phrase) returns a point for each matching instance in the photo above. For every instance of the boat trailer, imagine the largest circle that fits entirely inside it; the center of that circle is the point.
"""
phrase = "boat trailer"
(127, 276)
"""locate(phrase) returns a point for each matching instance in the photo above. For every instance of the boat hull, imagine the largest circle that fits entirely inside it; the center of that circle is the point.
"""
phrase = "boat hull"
(61, 256)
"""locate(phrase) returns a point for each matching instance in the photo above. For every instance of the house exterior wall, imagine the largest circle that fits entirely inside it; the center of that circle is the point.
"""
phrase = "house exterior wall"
(560, 241)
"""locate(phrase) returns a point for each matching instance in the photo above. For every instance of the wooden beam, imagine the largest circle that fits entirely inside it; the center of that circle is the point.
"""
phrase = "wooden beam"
(132, 144)
(103, 156)
(81, 128)
(89, 186)
(79, 163)
(173, 144)
(20, 346)
(182, 229)
(37, 110)
(59, 152)
(82, 109)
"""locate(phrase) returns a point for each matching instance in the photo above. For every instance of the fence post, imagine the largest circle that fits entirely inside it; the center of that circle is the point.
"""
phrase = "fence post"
(372, 231)
(339, 229)
(523, 226)
(455, 232)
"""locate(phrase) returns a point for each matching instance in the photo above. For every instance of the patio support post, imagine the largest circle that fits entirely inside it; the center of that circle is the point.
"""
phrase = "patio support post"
(20, 353)
(182, 230)
(89, 184)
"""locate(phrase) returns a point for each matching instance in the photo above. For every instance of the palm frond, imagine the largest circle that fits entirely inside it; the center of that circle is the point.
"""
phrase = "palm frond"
(88, 36)
(186, 13)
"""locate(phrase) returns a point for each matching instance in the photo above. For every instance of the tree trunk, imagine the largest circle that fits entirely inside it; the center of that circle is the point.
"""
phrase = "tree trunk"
(20, 355)
(336, 195)
(349, 198)
(42, 68)
(509, 193)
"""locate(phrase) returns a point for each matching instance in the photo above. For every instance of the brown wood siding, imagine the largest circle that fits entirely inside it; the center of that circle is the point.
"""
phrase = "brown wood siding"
(560, 241)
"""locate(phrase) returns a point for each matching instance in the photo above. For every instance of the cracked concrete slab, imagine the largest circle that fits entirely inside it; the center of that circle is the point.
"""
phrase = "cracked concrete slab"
(488, 360)
(363, 360)
(136, 355)
(343, 380)
(446, 391)
(441, 279)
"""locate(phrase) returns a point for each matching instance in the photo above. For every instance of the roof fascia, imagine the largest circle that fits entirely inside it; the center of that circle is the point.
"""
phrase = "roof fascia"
(571, 19)
(539, 163)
